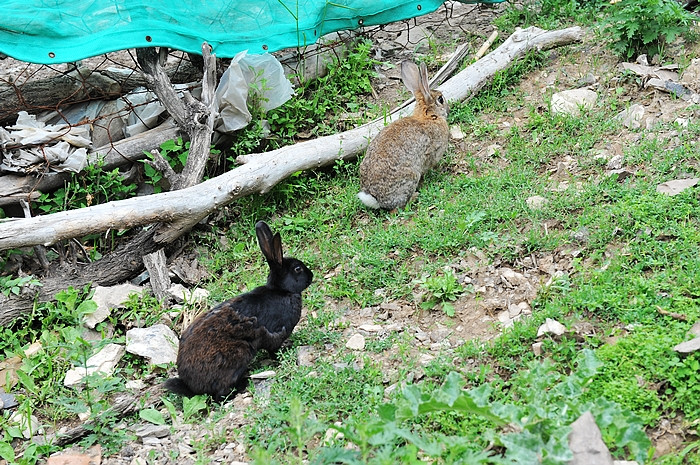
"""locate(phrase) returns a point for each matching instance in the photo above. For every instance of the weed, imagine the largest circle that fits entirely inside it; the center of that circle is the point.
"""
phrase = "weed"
(645, 26)
(442, 290)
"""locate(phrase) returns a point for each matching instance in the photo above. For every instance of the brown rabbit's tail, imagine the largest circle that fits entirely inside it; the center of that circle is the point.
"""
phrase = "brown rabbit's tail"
(368, 199)
(178, 386)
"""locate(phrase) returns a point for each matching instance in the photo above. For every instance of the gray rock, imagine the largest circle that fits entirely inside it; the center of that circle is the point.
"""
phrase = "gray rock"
(103, 361)
(156, 431)
(676, 186)
(551, 326)
(615, 162)
(356, 342)
(688, 347)
(537, 349)
(571, 101)
(7, 401)
(159, 344)
(305, 356)
(536, 202)
(632, 117)
(695, 330)
(586, 443)
(108, 298)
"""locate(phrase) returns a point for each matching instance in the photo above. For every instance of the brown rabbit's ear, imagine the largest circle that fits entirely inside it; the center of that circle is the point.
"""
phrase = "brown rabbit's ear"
(410, 75)
(424, 86)
(268, 243)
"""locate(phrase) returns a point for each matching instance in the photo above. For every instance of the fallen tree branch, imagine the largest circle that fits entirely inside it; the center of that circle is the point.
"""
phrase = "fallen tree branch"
(259, 173)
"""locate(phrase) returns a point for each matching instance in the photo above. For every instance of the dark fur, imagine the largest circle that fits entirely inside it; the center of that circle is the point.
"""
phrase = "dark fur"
(217, 348)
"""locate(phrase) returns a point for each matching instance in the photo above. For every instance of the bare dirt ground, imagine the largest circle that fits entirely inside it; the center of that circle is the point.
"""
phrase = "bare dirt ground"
(506, 290)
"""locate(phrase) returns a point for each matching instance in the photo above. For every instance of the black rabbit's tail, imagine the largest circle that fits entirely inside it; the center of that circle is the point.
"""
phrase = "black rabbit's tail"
(178, 386)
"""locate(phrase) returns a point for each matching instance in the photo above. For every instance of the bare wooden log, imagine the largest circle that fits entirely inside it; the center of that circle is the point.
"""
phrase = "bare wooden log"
(79, 85)
(158, 273)
(259, 173)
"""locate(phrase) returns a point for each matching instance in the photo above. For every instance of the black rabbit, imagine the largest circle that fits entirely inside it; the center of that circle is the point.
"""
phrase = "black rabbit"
(217, 348)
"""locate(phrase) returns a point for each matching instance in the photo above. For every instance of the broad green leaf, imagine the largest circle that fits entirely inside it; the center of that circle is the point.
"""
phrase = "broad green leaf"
(152, 415)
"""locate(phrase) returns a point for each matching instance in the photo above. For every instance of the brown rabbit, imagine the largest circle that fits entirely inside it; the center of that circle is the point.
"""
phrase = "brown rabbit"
(402, 152)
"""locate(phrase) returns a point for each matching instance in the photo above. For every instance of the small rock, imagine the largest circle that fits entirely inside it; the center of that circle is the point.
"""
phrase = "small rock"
(263, 375)
(615, 162)
(632, 117)
(439, 335)
(7, 401)
(571, 101)
(676, 186)
(581, 235)
(537, 348)
(103, 361)
(525, 308)
(456, 132)
(513, 311)
(108, 298)
(536, 202)
(356, 342)
(695, 329)
(551, 326)
(504, 316)
(157, 431)
(586, 443)
(691, 75)
(135, 384)
(305, 356)
(371, 328)
(181, 294)
(493, 149)
(93, 456)
(688, 347)
(621, 174)
(158, 344)
(29, 426)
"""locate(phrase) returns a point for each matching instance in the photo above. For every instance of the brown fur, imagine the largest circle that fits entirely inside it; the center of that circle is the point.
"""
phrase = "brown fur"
(404, 151)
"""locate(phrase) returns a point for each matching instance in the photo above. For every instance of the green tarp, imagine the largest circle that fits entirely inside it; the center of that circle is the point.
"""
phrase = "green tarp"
(61, 31)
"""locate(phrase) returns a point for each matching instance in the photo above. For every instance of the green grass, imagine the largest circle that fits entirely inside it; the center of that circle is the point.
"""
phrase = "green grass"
(641, 254)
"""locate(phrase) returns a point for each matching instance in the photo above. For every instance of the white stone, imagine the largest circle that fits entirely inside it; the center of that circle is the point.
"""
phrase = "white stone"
(158, 343)
(688, 347)
(632, 116)
(537, 348)
(108, 298)
(135, 384)
(103, 361)
(571, 101)
(29, 426)
(263, 375)
(456, 132)
(551, 326)
(371, 328)
(356, 342)
(536, 202)
(181, 294)
(676, 186)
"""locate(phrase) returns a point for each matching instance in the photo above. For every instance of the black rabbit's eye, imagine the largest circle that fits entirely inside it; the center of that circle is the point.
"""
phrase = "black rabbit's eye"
(298, 269)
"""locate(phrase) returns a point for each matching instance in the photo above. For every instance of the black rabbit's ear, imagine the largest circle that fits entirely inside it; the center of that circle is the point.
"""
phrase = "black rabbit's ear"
(277, 248)
(268, 243)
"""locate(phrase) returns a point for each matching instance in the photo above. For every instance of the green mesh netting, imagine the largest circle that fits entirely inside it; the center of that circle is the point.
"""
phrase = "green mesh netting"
(61, 31)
